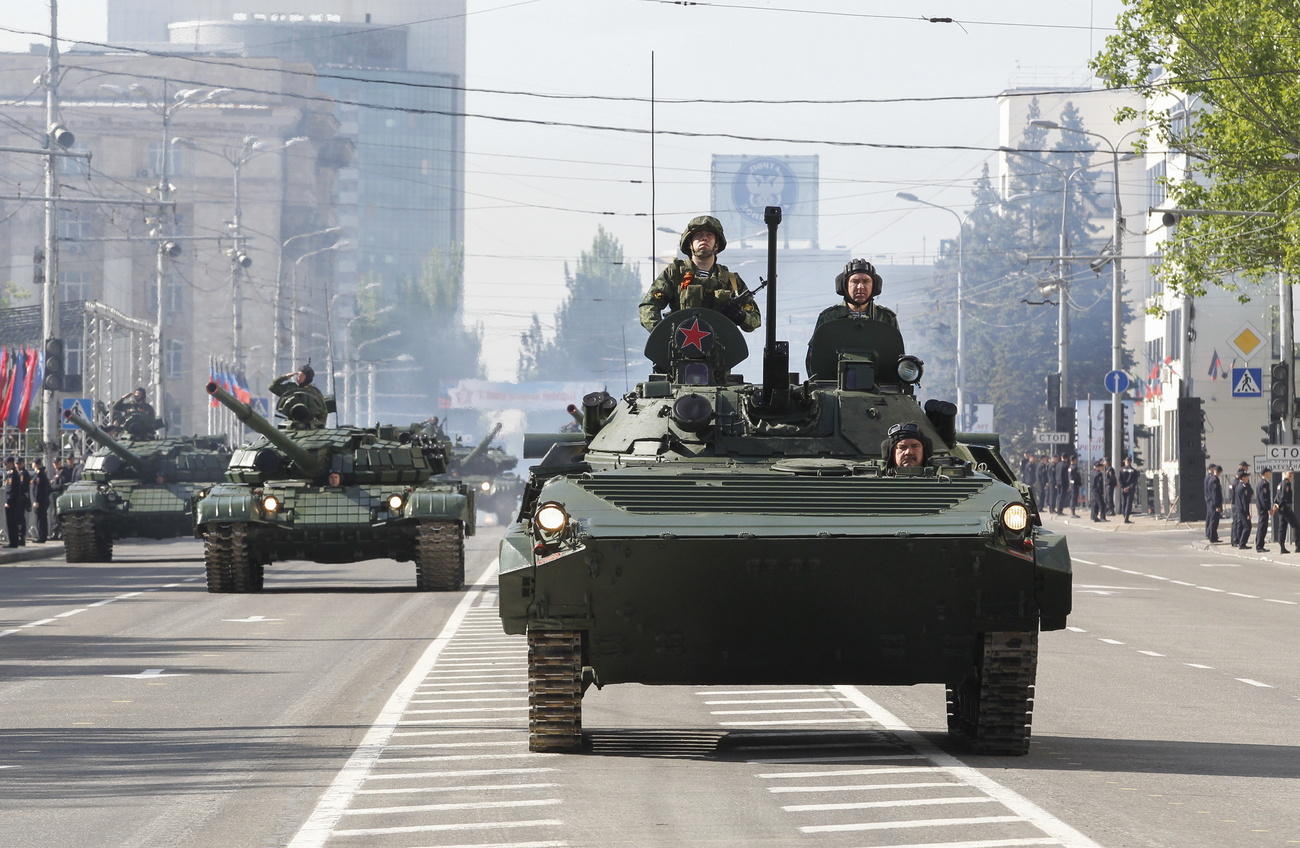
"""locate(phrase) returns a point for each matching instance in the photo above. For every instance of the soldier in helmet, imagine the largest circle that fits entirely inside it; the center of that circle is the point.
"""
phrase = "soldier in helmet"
(299, 401)
(700, 280)
(133, 412)
(858, 284)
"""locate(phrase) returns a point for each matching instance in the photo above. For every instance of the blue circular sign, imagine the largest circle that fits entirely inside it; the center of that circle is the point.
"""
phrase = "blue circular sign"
(1116, 382)
(760, 182)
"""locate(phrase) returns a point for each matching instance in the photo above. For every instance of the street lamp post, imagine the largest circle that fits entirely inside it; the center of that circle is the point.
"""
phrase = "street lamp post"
(279, 286)
(293, 298)
(370, 367)
(960, 372)
(1116, 291)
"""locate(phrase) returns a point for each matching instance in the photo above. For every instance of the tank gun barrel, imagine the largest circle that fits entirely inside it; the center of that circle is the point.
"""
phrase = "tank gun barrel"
(305, 461)
(776, 354)
(131, 459)
(482, 446)
(573, 410)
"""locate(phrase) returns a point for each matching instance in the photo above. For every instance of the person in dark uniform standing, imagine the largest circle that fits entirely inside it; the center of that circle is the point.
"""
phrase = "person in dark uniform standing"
(1241, 510)
(1063, 486)
(16, 493)
(1076, 483)
(1284, 512)
(1112, 483)
(1128, 484)
(41, 501)
(21, 466)
(1213, 502)
(1097, 491)
(1264, 503)
(1049, 483)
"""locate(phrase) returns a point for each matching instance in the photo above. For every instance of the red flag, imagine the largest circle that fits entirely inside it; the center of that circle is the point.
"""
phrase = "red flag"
(12, 378)
(4, 377)
(33, 360)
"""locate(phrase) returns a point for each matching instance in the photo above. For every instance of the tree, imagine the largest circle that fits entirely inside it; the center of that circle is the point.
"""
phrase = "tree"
(596, 330)
(1229, 69)
(1008, 305)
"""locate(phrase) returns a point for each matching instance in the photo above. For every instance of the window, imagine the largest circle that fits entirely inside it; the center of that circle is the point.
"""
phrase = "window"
(176, 160)
(72, 355)
(174, 361)
(1174, 332)
(1157, 191)
(73, 223)
(73, 286)
(1170, 453)
(68, 166)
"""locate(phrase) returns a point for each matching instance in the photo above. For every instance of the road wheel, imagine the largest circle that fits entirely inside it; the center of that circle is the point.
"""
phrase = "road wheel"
(439, 556)
(229, 560)
(993, 707)
(554, 690)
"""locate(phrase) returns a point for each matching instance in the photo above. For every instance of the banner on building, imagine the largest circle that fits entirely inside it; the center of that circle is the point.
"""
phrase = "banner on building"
(743, 185)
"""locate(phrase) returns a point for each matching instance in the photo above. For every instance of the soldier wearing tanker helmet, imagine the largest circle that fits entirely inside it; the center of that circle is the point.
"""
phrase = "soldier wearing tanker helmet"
(859, 284)
(300, 402)
(699, 281)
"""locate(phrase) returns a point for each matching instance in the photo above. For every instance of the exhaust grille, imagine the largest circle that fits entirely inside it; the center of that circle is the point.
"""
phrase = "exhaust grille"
(782, 494)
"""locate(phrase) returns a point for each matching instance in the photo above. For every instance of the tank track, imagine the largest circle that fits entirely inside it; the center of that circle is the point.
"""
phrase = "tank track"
(86, 538)
(439, 556)
(229, 560)
(554, 690)
(993, 708)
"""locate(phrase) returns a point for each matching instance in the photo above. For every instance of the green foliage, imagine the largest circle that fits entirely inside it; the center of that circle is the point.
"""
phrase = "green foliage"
(597, 334)
(1009, 303)
(428, 313)
(1228, 70)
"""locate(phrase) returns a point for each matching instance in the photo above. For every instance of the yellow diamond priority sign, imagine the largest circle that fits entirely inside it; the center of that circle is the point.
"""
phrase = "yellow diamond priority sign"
(1247, 341)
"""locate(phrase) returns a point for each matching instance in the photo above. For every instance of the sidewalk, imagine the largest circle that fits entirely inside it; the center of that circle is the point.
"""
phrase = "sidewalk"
(1142, 523)
(31, 551)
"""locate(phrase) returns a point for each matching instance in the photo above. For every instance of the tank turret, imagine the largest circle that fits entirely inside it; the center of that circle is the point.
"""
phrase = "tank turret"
(481, 447)
(306, 462)
(133, 460)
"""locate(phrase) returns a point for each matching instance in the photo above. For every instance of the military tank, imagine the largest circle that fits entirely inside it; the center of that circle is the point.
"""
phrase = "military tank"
(336, 494)
(489, 471)
(136, 485)
(702, 530)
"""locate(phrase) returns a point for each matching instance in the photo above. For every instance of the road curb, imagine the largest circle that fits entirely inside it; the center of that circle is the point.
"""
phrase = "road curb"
(1237, 553)
(31, 551)
(1140, 524)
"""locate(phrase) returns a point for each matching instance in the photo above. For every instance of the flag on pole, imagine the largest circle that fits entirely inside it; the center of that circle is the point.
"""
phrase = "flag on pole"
(14, 396)
(241, 388)
(1216, 366)
(32, 389)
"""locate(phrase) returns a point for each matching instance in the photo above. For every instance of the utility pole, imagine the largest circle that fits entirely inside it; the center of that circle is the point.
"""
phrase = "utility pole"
(160, 253)
(1285, 319)
(49, 302)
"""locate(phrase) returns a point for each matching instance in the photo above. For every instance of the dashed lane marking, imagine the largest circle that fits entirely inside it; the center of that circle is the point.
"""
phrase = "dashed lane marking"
(1247, 680)
(433, 828)
(1250, 682)
(876, 805)
(438, 808)
(896, 825)
(861, 787)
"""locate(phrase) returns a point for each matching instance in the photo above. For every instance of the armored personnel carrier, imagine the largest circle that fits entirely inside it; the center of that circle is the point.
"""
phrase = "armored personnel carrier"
(336, 494)
(703, 530)
(489, 471)
(136, 485)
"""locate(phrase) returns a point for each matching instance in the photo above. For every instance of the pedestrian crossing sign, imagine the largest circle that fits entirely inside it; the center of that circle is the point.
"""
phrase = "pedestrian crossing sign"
(1246, 382)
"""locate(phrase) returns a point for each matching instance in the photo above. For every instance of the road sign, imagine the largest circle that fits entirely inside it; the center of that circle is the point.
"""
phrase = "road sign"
(1282, 464)
(1044, 437)
(1275, 452)
(84, 406)
(1116, 382)
(1247, 341)
(1247, 382)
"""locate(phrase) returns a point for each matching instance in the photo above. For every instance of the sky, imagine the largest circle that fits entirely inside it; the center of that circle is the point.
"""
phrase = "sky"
(536, 194)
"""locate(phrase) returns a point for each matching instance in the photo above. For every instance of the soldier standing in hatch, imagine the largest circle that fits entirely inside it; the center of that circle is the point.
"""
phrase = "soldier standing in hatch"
(132, 404)
(859, 284)
(295, 388)
(718, 288)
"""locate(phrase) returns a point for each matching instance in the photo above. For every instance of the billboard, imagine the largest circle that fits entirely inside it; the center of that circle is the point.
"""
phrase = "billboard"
(743, 185)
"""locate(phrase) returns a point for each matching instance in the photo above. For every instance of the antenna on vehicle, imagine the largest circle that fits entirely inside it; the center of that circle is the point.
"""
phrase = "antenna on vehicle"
(776, 354)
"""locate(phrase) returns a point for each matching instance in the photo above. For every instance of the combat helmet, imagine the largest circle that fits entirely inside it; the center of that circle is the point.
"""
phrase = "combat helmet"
(702, 222)
(858, 266)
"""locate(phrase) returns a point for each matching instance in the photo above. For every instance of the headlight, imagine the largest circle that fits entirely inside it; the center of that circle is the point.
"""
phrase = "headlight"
(271, 503)
(395, 502)
(551, 518)
(909, 369)
(1015, 517)
(485, 486)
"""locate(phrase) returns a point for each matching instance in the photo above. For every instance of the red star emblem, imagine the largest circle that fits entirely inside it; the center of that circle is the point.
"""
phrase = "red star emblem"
(694, 335)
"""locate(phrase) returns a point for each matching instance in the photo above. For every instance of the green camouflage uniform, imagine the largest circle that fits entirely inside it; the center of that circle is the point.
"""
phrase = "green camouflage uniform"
(873, 311)
(716, 292)
(290, 394)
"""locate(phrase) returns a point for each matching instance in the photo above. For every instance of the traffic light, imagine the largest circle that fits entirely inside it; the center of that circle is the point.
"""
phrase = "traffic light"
(1278, 387)
(1053, 389)
(38, 266)
(53, 365)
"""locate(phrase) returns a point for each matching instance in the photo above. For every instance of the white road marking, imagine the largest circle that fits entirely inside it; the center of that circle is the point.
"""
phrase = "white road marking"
(1211, 589)
(10, 631)
(1024, 808)
(822, 690)
(429, 828)
(150, 674)
(460, 720)
(40, 623)
(252, 619)
(1084, 561)
(1182, 582)
(875, 805)
(1276, 601)
(1250, 682)
(839, 758)
(455, 758)
(1244, 595)
(70, 613)
(800, 775)
(977, 843)
(475, 731)
(466, 710)
(475, 744)
(1151, 653)
(466, 700)
(859, 787)
(1215, 565)
(1076, 630)
(770, 701)
(468, 805)
(1198, 665)
(335, 800)
(421, 775)
(780, 712)
(477, 787)
(894, 825)
(1126, 588)
(1110, 641)
(794, 721)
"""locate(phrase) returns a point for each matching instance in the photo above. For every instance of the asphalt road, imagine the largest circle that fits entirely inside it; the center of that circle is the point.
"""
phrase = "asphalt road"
(340, 709)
